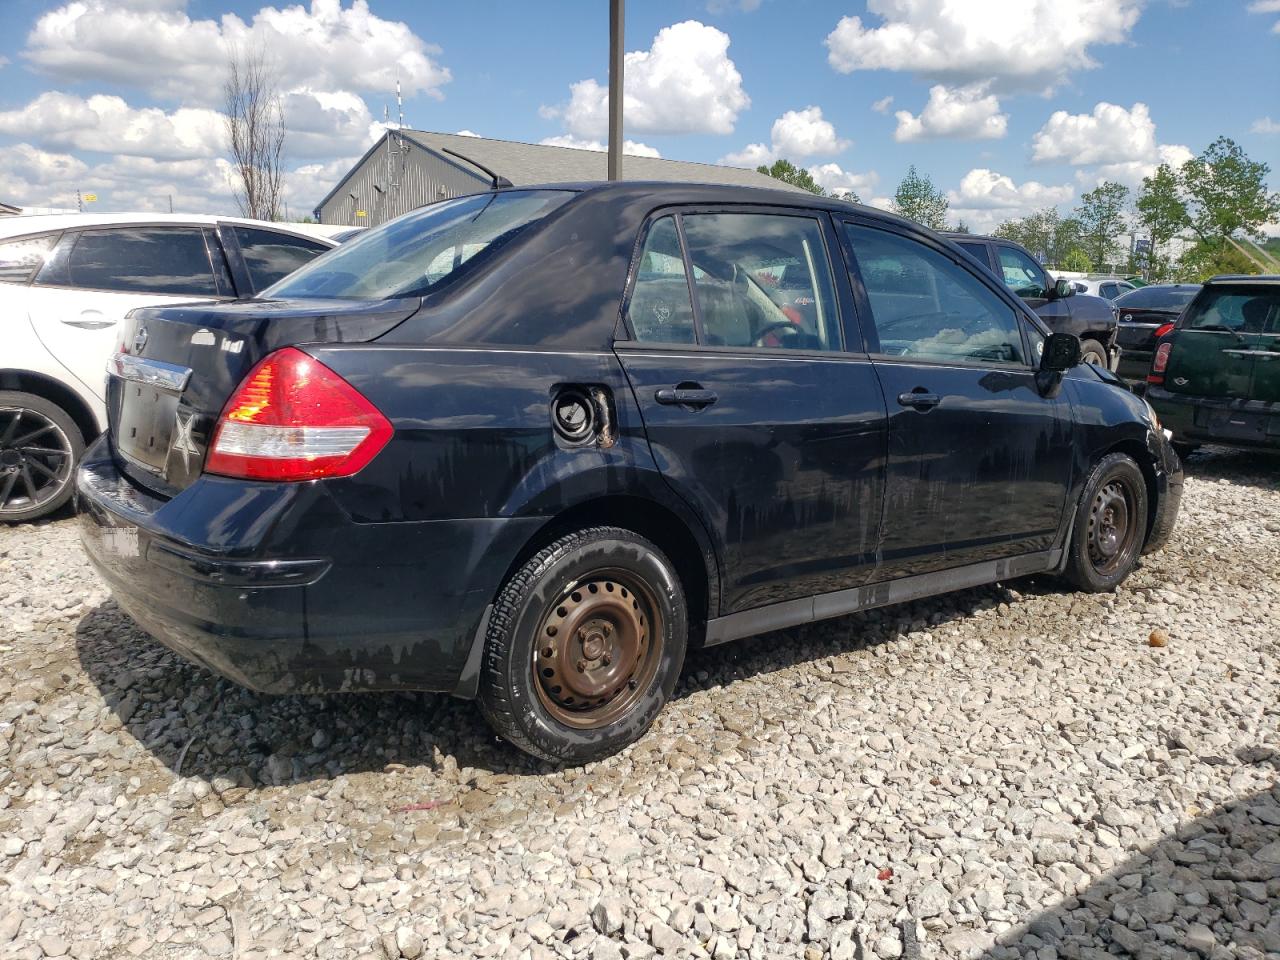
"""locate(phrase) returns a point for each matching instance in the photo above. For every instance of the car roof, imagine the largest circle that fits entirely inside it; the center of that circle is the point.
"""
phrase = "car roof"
(43, 223)
(1229, 278)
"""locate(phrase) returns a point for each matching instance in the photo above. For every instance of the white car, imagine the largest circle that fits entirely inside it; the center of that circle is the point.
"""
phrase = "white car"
(1109, 288)
(65, 283)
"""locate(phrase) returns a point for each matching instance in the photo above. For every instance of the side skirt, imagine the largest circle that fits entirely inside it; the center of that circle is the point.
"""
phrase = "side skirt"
(793, 613)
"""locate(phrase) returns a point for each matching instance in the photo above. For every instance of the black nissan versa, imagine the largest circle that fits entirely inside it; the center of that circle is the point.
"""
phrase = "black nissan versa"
(531, 445)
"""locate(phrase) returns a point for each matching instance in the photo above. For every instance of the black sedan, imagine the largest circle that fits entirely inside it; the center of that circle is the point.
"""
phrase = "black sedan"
(532, 445)
(1146, 314)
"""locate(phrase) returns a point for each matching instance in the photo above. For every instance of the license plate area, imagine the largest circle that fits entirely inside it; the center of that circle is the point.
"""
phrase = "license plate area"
(145, 429)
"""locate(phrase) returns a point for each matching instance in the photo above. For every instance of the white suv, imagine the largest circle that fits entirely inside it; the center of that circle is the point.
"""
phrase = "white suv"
(65, 283)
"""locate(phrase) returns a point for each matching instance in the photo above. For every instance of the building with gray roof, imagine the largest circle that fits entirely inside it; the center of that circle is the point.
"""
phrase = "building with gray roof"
(408, 168)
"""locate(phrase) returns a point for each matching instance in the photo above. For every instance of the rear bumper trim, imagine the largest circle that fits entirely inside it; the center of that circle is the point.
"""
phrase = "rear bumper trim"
(237, 573)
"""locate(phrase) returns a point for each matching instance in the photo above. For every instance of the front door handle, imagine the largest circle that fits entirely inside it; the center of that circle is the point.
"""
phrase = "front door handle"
(686, 396)
(918, 399)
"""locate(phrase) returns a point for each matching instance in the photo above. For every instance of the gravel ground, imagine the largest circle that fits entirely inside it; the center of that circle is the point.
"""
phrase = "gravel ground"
(1010, 771)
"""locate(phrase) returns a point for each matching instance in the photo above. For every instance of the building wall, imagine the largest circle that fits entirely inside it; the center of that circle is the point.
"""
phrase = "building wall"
(407, 177)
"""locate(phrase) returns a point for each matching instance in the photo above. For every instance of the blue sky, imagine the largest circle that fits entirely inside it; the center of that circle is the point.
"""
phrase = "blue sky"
(1009, 106)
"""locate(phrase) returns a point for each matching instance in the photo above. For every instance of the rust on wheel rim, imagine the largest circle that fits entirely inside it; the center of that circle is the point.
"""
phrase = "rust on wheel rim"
(1112, 526)
(597, 649)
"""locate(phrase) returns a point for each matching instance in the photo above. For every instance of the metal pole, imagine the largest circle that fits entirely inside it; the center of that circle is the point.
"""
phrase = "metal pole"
(615, 89)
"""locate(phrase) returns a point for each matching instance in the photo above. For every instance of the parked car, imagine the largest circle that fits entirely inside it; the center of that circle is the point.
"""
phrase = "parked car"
(1145, 315)
(66, 281)
(1215, 376)
(1056, 302)
(531, 445)
(1108, 288)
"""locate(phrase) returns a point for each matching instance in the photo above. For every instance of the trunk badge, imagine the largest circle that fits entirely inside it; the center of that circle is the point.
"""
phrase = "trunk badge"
(140, 340)
(184, 443)
(1181, 381)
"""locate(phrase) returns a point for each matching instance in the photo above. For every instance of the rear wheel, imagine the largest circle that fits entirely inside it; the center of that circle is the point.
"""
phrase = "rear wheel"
(40, 446)
(1110, 525)
(585, 644)
(1091, 351)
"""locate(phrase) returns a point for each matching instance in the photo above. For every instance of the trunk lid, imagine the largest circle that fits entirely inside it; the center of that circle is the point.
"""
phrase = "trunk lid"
(178, 365)
(1138, 327)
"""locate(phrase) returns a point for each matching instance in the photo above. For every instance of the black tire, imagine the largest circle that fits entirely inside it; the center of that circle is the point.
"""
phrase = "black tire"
(1091, 351)
(1184, 450)
(591, 568)
(36, 477)
(1110, 525)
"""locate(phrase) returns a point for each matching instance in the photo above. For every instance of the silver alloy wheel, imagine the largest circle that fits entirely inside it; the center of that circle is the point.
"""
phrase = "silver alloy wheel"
(35, 460)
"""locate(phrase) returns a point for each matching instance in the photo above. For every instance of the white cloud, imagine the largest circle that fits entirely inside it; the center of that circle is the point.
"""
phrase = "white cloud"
(1267, 6)
(835, 180)
(1265, 125)
(883, 104)
(960, 113)
(985, 198)
(467, 133)
(795, 135)
(630, 147)
(684, 83)
(804, 133)
(1028, 45)
(1118, 144)
(157, 47)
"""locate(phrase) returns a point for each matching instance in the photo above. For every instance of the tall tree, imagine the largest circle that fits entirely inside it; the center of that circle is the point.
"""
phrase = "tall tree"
(255, 132)
(1226, 196)
(1102, 221)
(918, 199)
(1162, 213)
(788, 172)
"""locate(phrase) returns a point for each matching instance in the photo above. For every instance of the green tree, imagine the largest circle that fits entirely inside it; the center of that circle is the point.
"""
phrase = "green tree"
(1066, 238)
(788, 172)
(1226, 195)
(918, 199)
(1102, 221)
(1162, 213)
(1075, 260)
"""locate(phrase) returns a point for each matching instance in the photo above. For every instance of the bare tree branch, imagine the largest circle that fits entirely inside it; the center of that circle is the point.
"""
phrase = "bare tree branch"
(255, 132)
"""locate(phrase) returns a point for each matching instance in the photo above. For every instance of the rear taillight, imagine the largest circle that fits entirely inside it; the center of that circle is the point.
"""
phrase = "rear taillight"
(1159, 362)
(1164, 330)
(292, 418)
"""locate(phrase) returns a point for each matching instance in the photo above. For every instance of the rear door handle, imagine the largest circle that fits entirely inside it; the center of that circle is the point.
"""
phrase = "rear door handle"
(89, 320)
(919, 400)
(686, 397)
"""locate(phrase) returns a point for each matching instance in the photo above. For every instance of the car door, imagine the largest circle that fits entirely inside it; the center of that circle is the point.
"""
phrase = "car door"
(1264, 385)
(979, 461)
(97, 275)
(756, 413)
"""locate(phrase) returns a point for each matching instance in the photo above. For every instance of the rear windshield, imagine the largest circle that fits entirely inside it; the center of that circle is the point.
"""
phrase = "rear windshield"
(1159, 298)
(422, 250)
(1243, 309)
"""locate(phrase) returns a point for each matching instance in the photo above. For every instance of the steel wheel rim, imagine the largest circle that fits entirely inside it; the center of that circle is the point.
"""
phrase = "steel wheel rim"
(1112, 526)
(35, 460)
(597, 649)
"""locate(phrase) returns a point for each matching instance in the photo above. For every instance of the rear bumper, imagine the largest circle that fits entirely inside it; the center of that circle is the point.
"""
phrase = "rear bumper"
(273, 587)
(1169, 482)
(1232, 422)
(1134, 365)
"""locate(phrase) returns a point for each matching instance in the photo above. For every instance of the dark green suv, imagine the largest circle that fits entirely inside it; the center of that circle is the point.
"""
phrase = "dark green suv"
(1215, 378)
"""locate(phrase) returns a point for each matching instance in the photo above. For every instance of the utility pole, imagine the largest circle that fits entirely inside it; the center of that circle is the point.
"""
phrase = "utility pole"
(615, 89)
(79, 203)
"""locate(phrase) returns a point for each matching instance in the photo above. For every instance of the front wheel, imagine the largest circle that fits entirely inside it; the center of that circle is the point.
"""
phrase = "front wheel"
(40, 446)
(1091, 351)
(584, 646)
(1110, 525)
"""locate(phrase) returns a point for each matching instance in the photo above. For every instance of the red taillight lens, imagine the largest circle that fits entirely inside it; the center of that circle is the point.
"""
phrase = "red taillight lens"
(292, 418)
(1159, 362)
(1164, 330)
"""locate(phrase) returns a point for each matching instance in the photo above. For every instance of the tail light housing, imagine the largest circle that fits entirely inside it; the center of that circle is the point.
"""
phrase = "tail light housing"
(1160, 362)
(293, 418)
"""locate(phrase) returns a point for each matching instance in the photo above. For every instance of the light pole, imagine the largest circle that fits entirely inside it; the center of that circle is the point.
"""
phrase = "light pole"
(615, 89)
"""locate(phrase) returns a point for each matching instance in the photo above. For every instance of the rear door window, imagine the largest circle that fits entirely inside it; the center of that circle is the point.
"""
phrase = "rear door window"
(160, 260)
(762, 280)
(927, 307)
(976, 250)
(21, 258)
(660, 309)
(272, 256)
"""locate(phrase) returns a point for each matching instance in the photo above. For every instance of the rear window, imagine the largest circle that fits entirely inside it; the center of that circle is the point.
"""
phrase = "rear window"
(423, 250)
(1243, 309)
(1158, 298)
(271, 256)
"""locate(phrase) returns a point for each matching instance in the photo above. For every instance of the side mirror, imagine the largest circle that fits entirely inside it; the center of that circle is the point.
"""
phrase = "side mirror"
(1063, 288)
(1061, 352)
